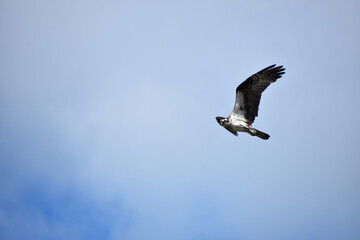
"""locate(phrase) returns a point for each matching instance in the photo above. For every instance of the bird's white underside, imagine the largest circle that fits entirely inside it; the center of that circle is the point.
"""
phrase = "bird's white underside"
(237, 118)
(238, 112)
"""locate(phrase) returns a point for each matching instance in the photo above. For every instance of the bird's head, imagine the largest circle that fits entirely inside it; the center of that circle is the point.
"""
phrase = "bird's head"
(222, 121)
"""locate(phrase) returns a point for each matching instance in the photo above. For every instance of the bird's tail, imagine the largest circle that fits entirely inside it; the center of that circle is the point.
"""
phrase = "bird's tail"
(260, 134)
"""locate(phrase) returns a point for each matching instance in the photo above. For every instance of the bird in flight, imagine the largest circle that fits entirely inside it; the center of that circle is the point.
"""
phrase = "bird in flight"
(248, 95)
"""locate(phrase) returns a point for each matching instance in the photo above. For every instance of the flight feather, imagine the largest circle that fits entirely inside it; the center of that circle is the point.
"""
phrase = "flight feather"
(248, 93)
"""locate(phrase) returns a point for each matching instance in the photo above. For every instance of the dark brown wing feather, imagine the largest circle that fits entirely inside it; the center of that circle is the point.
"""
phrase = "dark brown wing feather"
(253, 86)
(231, 130)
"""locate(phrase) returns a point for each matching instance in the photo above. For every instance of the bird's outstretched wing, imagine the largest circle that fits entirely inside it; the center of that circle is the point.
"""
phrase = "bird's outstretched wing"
(248, 93)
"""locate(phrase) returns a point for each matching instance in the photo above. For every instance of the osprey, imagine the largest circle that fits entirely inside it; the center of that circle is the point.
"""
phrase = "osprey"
(247, 101)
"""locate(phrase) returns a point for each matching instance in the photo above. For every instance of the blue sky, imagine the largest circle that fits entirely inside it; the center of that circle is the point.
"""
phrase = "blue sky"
(108, 129)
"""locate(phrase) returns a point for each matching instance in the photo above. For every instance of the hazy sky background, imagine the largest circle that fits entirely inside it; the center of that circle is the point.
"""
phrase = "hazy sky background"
(108, 130)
